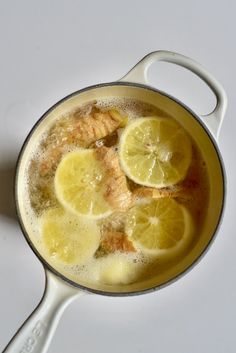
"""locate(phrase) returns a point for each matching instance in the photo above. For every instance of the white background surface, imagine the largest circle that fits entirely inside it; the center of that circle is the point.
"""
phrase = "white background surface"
(49, 49)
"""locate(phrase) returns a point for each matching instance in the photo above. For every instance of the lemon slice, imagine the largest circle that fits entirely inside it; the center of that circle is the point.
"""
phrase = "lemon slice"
(68, 238)
(79, 184)
(155, 151)
(160, 226)
(118, 268)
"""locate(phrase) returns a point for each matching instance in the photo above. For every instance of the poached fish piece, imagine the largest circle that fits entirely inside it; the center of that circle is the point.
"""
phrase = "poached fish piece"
(175, 192)
(81, 132)
(116, 192)
(113, 241)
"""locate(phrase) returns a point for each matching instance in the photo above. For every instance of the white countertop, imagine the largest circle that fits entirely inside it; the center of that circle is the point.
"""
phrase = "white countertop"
(52, 48)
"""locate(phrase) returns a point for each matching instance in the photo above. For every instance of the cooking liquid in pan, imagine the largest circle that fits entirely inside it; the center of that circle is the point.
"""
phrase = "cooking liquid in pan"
(93, 217)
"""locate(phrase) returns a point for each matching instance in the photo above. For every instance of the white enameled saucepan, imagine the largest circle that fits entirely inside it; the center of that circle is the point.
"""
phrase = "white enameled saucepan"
(35, 334)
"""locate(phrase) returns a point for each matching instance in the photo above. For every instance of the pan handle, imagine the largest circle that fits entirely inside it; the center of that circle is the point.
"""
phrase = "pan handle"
(212, 120)
(35, 334)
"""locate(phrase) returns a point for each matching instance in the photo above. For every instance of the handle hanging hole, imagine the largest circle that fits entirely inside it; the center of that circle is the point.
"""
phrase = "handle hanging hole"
(184, 85)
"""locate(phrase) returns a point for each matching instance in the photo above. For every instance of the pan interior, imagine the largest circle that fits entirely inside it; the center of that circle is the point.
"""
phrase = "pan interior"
(194, 128)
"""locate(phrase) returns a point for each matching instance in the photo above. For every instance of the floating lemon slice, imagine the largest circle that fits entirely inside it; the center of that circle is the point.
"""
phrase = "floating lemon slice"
(155, 151)
(68, 238)
(160, 227)
(118, 269)
(79, 184)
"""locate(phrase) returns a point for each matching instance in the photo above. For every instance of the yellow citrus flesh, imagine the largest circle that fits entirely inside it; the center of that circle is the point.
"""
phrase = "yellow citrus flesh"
(155, 151)
(69, 238)
(79, 184)
(160, 226)
(118, 268)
